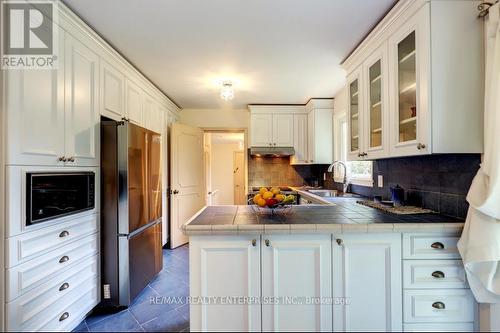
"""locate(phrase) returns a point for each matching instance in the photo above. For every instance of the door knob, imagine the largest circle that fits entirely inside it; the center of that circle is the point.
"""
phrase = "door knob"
(175, 192)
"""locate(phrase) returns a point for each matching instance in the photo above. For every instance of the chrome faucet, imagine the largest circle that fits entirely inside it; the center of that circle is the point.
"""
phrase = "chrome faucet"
(344, 182)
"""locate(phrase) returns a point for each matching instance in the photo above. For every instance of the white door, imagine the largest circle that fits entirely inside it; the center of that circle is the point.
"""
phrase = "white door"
(367, 275)
(112, 92)
(221, 266)
(300, 139)
(186, 178)
(282, 130)
(133, 103)
(298, 267)
(82, 104)
(239, 178)
(409, 74)
(34, 103)
(261, 130)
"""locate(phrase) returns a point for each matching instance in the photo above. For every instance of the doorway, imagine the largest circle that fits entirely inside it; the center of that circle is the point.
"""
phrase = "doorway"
(225, 167)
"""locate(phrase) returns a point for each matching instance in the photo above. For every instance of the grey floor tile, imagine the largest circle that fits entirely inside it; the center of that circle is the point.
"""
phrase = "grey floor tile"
(147, 311)
(120, 322)
(82, 327)
(172, 321)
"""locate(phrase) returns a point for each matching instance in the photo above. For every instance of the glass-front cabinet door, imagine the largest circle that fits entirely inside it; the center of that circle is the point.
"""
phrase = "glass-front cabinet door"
(354, 118)
(409, 63)
(375, 132)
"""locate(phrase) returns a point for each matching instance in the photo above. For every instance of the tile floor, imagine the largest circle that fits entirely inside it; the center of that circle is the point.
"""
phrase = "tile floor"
(172, 281)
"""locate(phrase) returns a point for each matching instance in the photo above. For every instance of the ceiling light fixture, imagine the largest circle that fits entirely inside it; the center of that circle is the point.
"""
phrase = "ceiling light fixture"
(227, 91)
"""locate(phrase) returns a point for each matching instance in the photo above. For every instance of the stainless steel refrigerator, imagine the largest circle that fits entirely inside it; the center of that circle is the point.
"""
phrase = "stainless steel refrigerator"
(131, 210)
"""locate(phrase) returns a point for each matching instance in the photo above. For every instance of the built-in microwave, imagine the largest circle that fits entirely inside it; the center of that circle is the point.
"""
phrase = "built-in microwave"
(52, 195)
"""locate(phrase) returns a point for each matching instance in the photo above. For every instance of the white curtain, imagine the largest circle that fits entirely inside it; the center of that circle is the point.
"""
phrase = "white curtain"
(479, 245)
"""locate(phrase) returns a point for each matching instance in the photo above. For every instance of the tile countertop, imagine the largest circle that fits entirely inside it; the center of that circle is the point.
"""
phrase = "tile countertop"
(342, 217)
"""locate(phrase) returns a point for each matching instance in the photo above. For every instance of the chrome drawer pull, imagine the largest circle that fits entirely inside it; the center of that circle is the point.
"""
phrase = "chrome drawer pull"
(438, 305)
(64, 286)
(437, 245)
(64, 234)
(64, 316)
(63, 259)
(438, 275)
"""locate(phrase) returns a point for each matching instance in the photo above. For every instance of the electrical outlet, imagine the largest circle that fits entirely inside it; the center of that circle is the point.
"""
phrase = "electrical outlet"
(380, 181)
(107, 291)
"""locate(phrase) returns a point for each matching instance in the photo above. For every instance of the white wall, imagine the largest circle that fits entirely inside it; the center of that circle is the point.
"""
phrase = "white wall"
(216, 118)
(222, 172)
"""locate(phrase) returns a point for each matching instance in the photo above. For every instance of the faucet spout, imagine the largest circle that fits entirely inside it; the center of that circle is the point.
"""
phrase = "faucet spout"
(344, 182)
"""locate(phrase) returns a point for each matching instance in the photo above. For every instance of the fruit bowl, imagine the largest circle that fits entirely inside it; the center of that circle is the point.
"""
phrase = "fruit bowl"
(272, 199)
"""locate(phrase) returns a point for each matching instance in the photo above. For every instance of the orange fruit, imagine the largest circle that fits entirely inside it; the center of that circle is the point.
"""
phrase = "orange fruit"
(261, 202)
(256, 197)
(267, 195)
(279, 197)
(275, 190)
(262, 190)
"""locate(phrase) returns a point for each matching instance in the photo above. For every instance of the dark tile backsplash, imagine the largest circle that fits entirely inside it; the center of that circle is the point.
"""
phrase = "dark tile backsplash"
(277, 171)
(437, 182)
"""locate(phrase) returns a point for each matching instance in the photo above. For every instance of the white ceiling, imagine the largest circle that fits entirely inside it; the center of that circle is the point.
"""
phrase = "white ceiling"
(278, 51)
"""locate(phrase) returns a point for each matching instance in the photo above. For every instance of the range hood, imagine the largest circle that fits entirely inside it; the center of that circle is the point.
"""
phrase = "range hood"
(272, 151)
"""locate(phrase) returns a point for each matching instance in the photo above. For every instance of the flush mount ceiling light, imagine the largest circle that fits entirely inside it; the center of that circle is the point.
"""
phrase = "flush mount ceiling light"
(227, 91)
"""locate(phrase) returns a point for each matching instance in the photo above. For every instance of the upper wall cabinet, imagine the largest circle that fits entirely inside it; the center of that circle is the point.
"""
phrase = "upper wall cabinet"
(133, 102)
(416, 83)
(307, 128)
(112, 92)
(271, 130)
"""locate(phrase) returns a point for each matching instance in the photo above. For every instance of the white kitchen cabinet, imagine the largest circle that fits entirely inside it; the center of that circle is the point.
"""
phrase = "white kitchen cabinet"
(296, 269)
(34, 102)
(112, 91)
(300, 140)
(82, 130)
(283, 130)
(261, 130)
(221, 267)
(153, 114)
(133, 102)
(427, 105)
(271, 130)
(320, 136)
(367, 275)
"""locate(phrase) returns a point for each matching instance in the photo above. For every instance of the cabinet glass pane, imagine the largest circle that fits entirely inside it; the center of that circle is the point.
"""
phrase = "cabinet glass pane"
(407, 85)
(354, 102)
(375, 74)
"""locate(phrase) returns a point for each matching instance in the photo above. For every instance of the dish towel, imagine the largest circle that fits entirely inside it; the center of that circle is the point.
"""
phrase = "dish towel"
(479, 245)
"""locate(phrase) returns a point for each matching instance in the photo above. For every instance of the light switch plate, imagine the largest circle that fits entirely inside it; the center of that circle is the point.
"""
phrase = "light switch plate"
(380, 181)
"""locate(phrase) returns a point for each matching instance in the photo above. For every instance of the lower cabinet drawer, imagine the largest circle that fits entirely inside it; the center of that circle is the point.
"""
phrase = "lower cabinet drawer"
(424, 246)
(30, 245)
(460, 327)
(434, 274)
(31, 274)
(33, 310)
(451, 306)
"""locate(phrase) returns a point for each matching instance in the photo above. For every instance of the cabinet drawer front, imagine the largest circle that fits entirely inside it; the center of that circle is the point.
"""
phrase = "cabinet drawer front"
(460, 327)
(32, 244)
(30, 310)
(33, 273)
(424, 246)
(431, 274)
(454, 306)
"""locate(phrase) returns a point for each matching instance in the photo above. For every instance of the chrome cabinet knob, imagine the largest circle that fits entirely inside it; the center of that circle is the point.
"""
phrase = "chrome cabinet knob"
(438, 275)
(421, 146)
(62, 159)
(439, 305)
(64, 286)
(64, 316)
(437, 246)
(63, 259)
(339, 241)
(254, 242)
(267, 242)
(64, 234)
(71, 159)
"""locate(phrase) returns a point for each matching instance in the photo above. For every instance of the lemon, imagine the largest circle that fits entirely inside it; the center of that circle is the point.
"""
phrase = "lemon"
(267, 195)
(279, 197)
(275, 190)
(262, 190)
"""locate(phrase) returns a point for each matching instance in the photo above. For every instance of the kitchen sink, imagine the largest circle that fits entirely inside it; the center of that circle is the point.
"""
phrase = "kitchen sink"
(325, 193)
